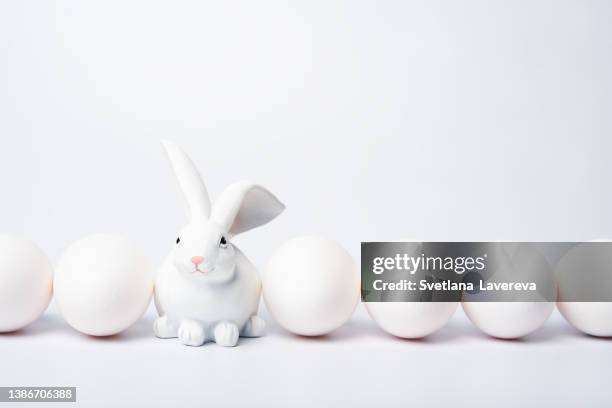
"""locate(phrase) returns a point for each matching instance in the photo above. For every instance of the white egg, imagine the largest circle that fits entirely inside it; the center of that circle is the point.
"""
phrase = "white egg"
(577, 282)
(311, 286)
(514, 314)
(103, 284)
(508, 320)
(26, 279)
(594, 318)
(411, 320)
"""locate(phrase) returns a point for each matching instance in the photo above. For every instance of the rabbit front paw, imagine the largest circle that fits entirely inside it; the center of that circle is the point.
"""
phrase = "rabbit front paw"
(164, 328)
(226, 334)
(254, 327)
(191, 333)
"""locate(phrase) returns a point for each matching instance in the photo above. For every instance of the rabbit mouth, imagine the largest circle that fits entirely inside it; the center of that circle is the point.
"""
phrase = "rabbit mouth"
(203, 271)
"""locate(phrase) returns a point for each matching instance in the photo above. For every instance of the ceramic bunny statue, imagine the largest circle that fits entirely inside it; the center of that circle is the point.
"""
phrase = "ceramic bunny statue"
(206, 289)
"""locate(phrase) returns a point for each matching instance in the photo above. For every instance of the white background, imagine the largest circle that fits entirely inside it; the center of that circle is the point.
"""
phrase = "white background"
(369, 119)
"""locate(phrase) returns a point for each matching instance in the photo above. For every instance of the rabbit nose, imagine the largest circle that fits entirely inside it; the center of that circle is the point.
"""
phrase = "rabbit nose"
(197, 260)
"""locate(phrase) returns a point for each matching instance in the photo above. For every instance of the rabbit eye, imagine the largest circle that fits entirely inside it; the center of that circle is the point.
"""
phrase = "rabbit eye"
(178, 240)
(223, 242)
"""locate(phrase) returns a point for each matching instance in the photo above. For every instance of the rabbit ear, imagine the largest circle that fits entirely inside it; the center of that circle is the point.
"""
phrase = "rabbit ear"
(244, 206)
(189, 180)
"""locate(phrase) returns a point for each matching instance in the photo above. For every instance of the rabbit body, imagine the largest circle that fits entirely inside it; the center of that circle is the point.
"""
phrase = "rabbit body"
(236, 301)
(206, 289)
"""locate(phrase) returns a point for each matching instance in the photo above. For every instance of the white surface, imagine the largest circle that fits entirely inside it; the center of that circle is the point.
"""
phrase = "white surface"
(443, 120)
(359, 365)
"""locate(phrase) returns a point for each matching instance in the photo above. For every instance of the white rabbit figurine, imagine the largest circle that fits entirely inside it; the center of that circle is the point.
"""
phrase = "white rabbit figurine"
(206, 289)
